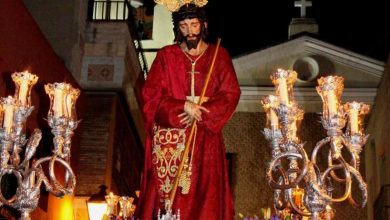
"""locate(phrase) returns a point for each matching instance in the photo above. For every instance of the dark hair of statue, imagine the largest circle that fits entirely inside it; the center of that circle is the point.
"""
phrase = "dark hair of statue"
(189, 11)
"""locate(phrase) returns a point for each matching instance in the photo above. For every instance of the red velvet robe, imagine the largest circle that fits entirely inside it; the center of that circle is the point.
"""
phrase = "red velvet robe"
(164, 94)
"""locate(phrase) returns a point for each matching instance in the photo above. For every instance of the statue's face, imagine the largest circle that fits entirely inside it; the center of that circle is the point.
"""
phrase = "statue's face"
(191, 29)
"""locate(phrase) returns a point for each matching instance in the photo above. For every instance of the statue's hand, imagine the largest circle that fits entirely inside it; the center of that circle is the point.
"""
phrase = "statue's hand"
(194, 110)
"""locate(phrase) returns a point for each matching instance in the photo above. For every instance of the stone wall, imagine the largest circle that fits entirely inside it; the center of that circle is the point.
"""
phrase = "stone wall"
(95, 140)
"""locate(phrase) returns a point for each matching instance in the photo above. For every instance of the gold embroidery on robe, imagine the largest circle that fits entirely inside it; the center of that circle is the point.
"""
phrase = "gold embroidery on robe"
(168, 145)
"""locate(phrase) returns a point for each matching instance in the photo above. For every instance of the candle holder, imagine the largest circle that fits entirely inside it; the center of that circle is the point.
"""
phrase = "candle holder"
(298, 182)
(24, 81)
(284, 81)
(127, 207)
(330, 89)
(17, 151)
(112, 205)
(168, 215)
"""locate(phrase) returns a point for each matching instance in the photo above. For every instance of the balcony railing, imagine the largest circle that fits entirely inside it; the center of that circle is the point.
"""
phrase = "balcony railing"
(104, 10)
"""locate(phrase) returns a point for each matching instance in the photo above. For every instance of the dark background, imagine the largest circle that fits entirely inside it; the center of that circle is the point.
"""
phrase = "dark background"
(249, 25)
(244, 26)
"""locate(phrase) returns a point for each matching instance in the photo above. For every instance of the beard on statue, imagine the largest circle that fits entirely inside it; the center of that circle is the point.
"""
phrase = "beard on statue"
(192, 41)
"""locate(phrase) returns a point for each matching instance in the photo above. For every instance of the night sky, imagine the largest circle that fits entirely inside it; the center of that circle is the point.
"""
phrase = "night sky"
(249, 25)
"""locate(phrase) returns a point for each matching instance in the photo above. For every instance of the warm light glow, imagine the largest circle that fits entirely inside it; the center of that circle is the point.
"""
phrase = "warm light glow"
(32, 179)
(127, 207)
(297, 196)
(270, 103)
(23, 82)
(283, 93)
(294, 130)
(295, 122)
(63, 99)
(332, 103)
(266, 212)
(70, 101)
(8, 108)
(274, 118)
(283, 81)
(356, 112)
(57, 105)
(8, 117)
(66, 210)
(96, 210)
(353, 118)
(61, 208)
(112, 202)
(23, 92)
(330, 89)
(69, 105)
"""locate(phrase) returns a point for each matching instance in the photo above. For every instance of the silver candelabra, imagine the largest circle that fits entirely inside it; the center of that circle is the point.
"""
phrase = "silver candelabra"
(298, 182)
(17, 151)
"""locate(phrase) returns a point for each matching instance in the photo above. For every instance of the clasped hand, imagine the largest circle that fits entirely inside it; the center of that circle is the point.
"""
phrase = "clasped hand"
(192, 111)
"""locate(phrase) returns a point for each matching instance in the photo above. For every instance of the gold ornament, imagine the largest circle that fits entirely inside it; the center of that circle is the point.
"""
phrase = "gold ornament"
(185, 178)
(174, 5)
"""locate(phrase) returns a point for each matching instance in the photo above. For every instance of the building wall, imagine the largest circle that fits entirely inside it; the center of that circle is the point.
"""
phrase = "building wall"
(110, 152)
(377, 148)
(96, 140)
(63, 24)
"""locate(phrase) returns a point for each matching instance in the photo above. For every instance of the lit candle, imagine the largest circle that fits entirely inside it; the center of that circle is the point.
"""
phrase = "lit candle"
(8, 116)
(23, 89)
(273, 118)
(283, 92)
(270, 103)
(353, 119)
(32, 178)
(69, 104)
(297, 196)
(268, 213)
(71, 96)
(24, 81)
(329, 213)
(294, 130)
(58, 102)
(332, 103)
(111, 203)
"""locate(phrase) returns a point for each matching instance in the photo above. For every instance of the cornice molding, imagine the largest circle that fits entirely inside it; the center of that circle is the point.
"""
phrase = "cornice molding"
(311, 45)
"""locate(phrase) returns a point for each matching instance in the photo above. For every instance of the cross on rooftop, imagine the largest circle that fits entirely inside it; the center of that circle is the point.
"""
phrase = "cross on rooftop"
(303, 4)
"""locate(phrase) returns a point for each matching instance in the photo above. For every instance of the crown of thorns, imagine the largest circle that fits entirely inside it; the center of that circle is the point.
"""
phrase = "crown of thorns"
(189, 11)
(175, 5)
